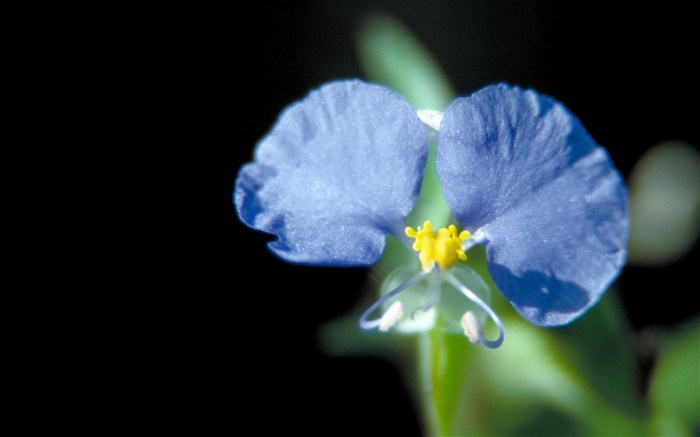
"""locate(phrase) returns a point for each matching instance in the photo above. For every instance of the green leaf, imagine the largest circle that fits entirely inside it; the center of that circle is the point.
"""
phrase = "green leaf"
(392, 56)
(538, 371)
(600, 347)
(675, 386)
(343, 337)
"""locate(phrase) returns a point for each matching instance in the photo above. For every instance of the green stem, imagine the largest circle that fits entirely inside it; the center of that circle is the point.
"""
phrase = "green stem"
(442, 362)
(425, 369)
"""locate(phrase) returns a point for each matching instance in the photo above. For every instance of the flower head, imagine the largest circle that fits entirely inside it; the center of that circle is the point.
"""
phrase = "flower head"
(343, 168)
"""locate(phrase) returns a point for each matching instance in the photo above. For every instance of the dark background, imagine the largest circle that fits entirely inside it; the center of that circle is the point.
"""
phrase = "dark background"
(247, 327)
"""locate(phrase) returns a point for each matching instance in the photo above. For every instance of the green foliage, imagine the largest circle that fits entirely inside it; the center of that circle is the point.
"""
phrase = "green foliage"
(675, 388)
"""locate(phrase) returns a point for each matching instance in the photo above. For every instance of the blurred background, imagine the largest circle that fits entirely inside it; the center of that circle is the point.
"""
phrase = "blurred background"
(628, 74)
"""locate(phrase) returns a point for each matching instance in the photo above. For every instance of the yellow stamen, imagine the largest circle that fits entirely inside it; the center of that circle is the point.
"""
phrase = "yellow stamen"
(443, 247)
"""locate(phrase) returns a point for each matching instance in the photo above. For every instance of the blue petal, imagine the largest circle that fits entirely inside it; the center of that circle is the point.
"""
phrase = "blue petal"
(520, 169)
(337, 172)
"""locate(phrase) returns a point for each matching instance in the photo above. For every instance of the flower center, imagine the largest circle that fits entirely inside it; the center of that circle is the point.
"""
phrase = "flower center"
(439, 251)
(443, 247)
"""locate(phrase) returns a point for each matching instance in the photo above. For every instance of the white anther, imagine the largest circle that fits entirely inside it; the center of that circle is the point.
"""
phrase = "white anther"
(472, 327)
(391, 316)
(431, 118)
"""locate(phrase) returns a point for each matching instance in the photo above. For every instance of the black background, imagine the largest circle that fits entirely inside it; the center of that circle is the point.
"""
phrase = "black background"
(245, 328)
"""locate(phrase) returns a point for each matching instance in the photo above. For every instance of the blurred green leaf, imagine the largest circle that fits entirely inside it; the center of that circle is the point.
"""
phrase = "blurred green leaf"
(531, 372)
(600, 347)
(675, 386)
(343, 337)
(392, 56)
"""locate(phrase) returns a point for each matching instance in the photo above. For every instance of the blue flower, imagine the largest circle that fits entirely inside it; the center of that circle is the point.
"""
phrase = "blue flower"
(342, 168)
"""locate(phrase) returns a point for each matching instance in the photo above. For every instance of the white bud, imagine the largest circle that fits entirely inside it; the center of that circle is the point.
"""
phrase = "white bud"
(431, 118)
(472, 327)
(391, 316)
